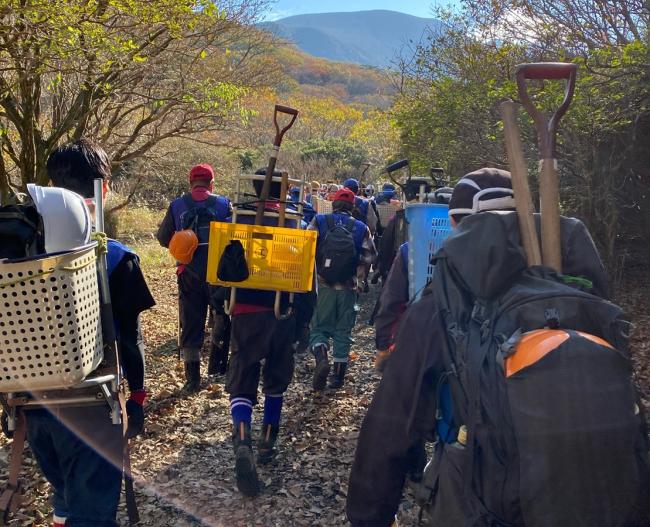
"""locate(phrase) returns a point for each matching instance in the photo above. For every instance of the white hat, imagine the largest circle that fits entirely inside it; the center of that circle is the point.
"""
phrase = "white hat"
(65, 216)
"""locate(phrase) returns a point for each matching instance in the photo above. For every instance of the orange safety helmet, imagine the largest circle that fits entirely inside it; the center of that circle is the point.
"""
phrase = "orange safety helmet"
(182, 245)
(535, 345)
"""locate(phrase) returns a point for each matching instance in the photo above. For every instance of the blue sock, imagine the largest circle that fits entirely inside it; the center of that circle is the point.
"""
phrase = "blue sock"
(273, 409)
(241, 410)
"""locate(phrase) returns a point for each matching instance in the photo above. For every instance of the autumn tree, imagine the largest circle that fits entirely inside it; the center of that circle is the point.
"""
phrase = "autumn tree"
(129, 74)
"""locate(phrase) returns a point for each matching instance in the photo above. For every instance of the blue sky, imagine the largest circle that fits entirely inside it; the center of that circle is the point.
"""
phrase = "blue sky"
(284, 8)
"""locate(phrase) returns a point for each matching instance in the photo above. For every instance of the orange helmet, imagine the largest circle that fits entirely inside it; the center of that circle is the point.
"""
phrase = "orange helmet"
(182, 245)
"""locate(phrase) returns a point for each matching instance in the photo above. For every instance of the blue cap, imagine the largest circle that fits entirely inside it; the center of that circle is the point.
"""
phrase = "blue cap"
(352, 184)
(388, 186)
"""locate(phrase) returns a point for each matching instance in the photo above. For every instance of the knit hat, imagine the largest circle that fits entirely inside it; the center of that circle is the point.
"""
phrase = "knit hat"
(201, 172)
(484, 189)
(352, 184)
(345, 195)
(388, 187)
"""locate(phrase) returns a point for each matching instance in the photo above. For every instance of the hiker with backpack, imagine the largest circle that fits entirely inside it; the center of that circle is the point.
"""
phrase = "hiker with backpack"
(532, 428)
(78, 448)
(344, 252)
(258, 337)
(185, 230)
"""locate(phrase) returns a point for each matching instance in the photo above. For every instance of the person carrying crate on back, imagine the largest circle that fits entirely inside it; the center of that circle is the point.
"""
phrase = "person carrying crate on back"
(185, 231)
(78, 448)
(344, 252)
(258, 336)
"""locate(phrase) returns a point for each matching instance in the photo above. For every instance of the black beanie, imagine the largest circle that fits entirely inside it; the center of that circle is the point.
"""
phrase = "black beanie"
(481, 190)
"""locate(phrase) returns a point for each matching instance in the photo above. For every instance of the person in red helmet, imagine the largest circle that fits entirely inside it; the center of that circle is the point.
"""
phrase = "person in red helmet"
(194, 211)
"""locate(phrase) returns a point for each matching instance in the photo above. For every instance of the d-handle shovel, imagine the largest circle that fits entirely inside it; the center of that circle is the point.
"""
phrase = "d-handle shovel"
(546, 135)
(279, 134)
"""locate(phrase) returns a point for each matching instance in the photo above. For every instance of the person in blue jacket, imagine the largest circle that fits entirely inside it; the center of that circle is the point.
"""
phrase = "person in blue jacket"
(194, 293)
(79, 449)
(336, 309)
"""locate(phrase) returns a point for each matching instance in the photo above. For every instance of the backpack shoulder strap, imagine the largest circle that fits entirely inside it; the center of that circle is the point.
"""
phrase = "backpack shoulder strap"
(189, 202)
(329, 220)
(349, 226)
(212, 201)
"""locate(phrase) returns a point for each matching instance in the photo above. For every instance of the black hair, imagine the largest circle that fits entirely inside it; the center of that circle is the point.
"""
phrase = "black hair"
(343, 206)
(276, 186)
(76, 165)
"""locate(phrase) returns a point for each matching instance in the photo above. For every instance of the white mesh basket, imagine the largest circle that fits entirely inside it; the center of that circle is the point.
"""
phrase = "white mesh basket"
(50, 327)
(323, 206)
(386, 211)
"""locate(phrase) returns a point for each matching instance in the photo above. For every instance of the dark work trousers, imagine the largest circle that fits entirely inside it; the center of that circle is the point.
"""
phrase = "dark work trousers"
(256, 337)
(193, 301)
(79, 451)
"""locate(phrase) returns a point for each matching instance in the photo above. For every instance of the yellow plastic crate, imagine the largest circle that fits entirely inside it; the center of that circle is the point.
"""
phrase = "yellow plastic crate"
(279, 259)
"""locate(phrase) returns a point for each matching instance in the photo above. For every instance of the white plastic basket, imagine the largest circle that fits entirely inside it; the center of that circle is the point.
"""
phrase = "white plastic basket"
(50, 326)
(386, 211)
(323, 206)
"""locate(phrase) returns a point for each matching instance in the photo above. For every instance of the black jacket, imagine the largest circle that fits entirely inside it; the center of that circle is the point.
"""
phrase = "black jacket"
(403, 409)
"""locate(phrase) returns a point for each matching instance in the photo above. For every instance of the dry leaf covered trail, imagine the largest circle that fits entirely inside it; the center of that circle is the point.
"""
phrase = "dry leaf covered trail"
(186, 459)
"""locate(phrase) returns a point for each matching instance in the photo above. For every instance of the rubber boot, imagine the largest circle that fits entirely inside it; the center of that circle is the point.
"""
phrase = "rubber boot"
(217, 363)
(192, 376)
(266, 443)
(338, 375)
(245, 470)
(322, 369)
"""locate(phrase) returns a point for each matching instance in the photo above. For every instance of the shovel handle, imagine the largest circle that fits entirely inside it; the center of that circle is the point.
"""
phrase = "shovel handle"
(546, 127)
(279, 134)
(523, 200)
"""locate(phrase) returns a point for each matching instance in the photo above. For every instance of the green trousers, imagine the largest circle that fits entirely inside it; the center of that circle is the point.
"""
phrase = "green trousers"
(335, 316)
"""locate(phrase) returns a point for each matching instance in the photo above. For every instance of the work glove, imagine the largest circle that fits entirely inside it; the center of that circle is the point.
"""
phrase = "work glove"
(380, 360)
(135, 413)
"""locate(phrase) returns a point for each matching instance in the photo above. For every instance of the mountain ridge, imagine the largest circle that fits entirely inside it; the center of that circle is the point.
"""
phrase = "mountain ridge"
(372, 38)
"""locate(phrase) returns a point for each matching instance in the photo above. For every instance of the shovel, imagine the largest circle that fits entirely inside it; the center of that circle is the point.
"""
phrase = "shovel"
(279, 134)
(546, 135)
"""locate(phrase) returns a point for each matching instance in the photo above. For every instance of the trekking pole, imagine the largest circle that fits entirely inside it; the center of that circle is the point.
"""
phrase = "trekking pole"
(366, 166)
(523, 199)
(546, 136)
(279, 134)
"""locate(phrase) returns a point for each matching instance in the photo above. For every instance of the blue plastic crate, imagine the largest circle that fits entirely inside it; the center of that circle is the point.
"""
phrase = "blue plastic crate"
(428, 226)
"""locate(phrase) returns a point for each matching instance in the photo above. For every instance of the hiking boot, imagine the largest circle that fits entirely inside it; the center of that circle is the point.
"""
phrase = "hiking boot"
(266, 443)
(338, 375)
(322, 369)
(217, 363)
(245, 471)
(192, 376)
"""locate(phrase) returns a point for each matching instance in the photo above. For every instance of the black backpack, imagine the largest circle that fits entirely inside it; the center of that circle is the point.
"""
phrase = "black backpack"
(198, 218)
(561, 440)
(336, 253)
(21, 231)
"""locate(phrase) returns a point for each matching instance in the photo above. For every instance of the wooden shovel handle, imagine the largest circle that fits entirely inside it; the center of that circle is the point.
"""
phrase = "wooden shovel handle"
(523, 199)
